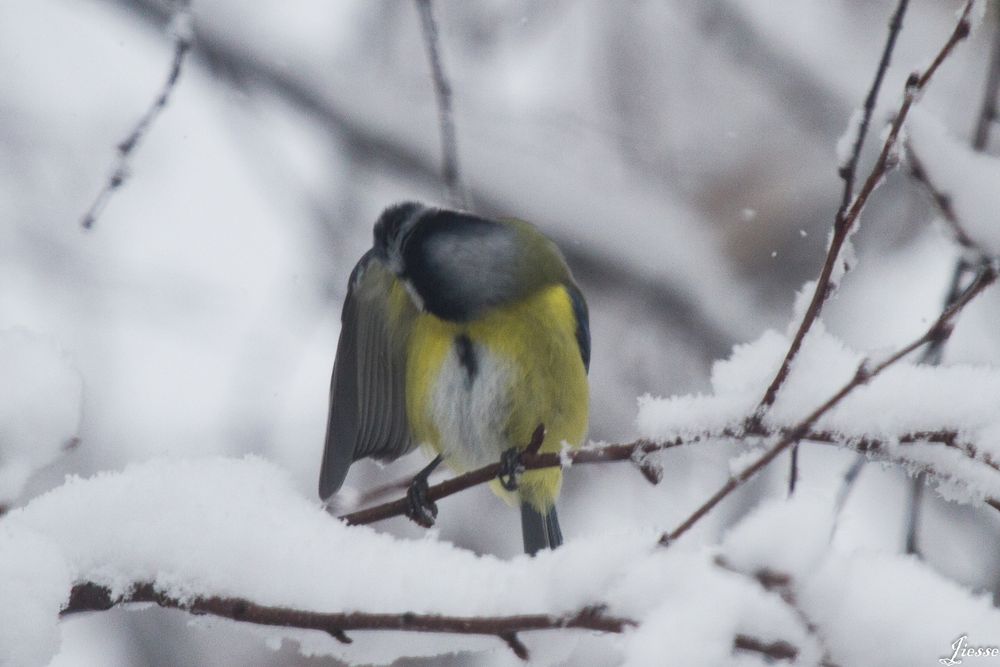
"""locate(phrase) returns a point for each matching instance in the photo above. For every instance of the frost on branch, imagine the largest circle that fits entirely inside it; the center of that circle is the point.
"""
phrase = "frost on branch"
(40, 396)
(940, 419)
(237, 528)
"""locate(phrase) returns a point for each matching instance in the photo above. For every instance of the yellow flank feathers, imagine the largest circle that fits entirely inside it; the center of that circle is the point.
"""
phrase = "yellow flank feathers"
(530, 373)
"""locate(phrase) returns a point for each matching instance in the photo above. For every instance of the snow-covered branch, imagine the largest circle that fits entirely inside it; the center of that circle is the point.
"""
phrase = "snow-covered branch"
(846, 219)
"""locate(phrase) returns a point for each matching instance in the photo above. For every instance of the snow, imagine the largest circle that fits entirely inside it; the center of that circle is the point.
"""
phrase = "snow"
(672, 145)
(845, 144)
(968, 178)
(857, 598)
(34, 584)
(189, 527)
(905, 399)
(40, 407)
(862, 601)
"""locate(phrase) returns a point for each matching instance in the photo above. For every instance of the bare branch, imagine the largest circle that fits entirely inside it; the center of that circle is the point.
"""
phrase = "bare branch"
(988, 111)
(638, 452)
(446, 116)
(844, 224)
(849, 169)
(864, 374)
(942, 200)
(89, 596)
(780, 583)
(182, 36)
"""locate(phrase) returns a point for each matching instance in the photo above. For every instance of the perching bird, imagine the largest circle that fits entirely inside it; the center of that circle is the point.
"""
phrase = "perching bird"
(464, 334)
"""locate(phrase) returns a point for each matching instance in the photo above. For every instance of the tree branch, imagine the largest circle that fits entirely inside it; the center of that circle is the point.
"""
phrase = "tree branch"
(89, 596)
(780, 584)
(844, 224)
(848, 170)
(180, 28)
(988, 111)
(446, 117)
(864, 374)
(639, 452)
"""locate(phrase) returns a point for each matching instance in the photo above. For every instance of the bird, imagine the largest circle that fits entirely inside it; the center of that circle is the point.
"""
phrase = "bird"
(466, 335)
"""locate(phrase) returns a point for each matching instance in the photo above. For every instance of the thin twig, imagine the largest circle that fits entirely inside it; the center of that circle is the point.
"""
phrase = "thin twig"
(864, 374)
(89, 596)
(934, 351)
(942, 200)
(988, 111)
(848, 170)
(446, 116)
(843, 225)
(638, 452)
(781, 584)
(182, 36)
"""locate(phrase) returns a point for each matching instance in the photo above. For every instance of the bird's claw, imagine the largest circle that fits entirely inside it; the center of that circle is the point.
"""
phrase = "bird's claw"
(420, 509)
(510, 469)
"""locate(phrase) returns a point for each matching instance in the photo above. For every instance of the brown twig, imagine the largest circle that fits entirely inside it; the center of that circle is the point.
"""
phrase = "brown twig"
(780, 584)
(848, 170)
(446, 116)
(89, 596)
(844, 224)
(850, 209)
(638, 451)
(617, 452)
(942, 200)
(864, 374)
(182, 37)
(934, 352)
(988, 111)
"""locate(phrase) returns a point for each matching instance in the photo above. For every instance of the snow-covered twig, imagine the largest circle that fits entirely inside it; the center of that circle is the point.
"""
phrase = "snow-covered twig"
(446, 116)
(182, 37)
(88, 596)
(844, 224)
(941, 199)
(864, 374)
(781, 584)
(638, 451)
(963, 267)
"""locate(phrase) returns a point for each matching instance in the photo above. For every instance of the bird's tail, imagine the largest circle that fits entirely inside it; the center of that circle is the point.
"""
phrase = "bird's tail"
(540, 531)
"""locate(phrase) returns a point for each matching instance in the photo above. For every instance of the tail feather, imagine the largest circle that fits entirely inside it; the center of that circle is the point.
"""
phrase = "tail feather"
(540, 531)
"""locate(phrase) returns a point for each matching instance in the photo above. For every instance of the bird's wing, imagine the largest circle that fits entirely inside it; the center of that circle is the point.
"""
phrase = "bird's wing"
(582, 322)
(367, 392)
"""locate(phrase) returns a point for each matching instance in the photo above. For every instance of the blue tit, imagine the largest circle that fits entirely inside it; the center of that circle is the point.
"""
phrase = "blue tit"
(462, 334)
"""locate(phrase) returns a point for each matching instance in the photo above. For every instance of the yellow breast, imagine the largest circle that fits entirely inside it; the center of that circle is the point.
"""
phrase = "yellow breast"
(527, 371)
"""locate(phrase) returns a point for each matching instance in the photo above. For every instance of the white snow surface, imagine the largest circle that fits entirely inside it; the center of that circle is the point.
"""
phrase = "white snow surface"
(968, 178)
(237, 527)
(40, 403)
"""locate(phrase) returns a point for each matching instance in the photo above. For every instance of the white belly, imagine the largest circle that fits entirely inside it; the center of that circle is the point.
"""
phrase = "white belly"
(471, 412)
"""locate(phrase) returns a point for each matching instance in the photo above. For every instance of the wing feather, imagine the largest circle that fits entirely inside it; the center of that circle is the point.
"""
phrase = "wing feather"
(367, 415)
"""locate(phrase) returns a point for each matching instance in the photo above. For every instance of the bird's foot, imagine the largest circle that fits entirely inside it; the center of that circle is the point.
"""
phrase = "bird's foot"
(420, 509)
(510, 469)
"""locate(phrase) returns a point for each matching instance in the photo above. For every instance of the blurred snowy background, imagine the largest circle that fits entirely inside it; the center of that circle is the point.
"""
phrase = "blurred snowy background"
(681, 152)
